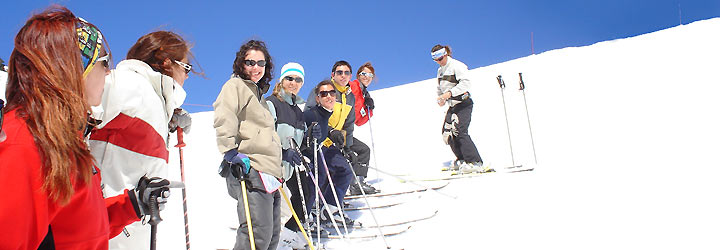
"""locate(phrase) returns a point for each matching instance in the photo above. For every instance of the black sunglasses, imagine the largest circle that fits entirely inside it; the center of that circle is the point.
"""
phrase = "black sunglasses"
(340, 72)
(251, 63)
(439, 58)
(297, 79)
(326, 93)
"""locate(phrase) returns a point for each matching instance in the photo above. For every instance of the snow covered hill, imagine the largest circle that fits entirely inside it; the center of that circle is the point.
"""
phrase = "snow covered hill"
(627, 140)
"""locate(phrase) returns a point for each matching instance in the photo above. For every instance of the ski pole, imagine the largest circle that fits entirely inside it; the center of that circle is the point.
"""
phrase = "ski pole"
(527, 113)
(332, 188)
(415, 183)
(507, 123)
(247, 213)
(372, 143)
(154, 220)
(297, 220)
(295, 147)
(180, 145)
(372, 212)
(320, 196)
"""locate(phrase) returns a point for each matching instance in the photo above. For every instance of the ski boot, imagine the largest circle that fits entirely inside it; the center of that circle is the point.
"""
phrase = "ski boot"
(454, 165)
(475, 167)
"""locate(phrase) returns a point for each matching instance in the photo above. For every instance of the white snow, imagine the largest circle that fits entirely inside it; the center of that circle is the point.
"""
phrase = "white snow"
(627, 141)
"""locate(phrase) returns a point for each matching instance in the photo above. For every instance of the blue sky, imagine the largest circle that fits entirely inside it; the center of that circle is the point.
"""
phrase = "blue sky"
(395, 36)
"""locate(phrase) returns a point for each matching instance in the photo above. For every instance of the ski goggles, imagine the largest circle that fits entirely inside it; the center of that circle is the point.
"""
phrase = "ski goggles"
(90, 42)
(438, 55)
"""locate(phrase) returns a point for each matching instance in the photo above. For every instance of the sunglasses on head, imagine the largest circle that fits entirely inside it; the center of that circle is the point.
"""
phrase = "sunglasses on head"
(340, 72)
(104, 60)
(367, 74)
(326, 93)
(297, 79)
(187, 67)
(251, 63)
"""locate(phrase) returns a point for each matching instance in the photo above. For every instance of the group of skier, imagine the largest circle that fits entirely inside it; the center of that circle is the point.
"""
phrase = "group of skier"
(83, 142)
(266, 141)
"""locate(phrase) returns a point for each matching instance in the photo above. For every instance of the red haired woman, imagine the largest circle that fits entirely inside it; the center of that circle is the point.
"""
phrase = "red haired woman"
(54, 199)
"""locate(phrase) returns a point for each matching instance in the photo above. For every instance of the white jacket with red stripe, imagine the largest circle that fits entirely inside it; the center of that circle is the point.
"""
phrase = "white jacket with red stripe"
(132, 139)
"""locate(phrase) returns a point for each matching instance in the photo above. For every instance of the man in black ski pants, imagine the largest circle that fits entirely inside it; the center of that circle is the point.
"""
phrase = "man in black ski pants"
(453, 89)
(330, 116)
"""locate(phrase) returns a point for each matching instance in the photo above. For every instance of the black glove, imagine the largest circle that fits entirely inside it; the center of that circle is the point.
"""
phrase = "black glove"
(337, 137)
(351, 155)
(182, 119)
(315, 132)
(150, 196)
(369, 103)
(291, 156)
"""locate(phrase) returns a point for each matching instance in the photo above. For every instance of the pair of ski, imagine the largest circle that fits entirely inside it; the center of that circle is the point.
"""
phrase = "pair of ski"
(365, 231)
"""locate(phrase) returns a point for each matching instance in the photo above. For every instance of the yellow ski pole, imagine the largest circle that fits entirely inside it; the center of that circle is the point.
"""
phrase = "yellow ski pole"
(282, 191)
(247, 214)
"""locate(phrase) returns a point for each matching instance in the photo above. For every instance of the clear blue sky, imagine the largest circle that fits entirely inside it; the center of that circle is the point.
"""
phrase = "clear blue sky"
(395, 36)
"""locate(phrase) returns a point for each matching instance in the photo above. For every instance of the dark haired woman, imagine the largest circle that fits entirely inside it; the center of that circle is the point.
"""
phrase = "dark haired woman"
(140, 97)
(54, 198)
(453, 88)
(245, 132)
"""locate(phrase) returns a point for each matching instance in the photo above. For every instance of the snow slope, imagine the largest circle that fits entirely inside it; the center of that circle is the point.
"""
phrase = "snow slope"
(626, 133)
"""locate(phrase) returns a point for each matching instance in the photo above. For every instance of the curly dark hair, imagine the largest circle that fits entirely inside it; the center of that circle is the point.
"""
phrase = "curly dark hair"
(264, 82)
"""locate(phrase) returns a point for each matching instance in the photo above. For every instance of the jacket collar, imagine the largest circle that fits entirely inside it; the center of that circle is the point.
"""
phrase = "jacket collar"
(291, 98)
(342, 89)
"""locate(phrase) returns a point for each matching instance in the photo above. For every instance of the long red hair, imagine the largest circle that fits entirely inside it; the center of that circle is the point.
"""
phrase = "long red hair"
(46, 86)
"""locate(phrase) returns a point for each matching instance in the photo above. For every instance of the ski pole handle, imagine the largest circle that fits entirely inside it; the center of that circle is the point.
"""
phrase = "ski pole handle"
(522, 84)
(180, 142)
(154, 212)
(501, 82)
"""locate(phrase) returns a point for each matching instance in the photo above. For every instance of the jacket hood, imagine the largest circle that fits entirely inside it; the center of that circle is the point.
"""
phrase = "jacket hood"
(162, 84)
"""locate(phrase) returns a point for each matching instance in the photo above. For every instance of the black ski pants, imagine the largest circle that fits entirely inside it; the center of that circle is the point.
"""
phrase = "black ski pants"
(462, 145)
(361, 162)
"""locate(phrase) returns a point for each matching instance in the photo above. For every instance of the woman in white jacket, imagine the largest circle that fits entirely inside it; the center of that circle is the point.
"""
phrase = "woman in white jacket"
(140, 98)
(454, 89)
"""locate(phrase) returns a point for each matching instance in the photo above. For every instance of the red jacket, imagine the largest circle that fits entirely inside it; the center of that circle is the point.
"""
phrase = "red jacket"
(362, 113)
(28, 215)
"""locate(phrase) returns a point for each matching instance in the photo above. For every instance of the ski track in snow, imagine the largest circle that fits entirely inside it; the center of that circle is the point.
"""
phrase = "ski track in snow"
(626, 133)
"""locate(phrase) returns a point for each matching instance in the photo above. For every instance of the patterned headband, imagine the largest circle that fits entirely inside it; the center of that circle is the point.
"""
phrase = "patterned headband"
(90, 43)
